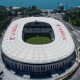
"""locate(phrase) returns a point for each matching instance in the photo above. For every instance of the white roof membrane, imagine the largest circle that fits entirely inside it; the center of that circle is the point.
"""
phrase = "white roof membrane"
(15, 48)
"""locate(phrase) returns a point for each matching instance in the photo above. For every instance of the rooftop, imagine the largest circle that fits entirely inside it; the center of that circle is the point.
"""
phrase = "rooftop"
(15, 48)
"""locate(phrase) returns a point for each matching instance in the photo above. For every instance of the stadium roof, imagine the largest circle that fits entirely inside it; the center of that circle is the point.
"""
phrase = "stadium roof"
(15, 48)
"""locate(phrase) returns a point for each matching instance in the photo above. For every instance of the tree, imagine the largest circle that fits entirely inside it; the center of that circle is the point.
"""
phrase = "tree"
(34, 8)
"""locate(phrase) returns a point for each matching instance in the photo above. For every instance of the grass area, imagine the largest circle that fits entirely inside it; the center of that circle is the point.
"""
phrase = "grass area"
(37, 38)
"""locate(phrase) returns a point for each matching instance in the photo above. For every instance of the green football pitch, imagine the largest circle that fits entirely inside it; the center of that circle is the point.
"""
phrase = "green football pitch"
(38, 40)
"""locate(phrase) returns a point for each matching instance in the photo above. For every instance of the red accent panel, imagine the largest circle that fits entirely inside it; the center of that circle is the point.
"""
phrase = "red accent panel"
(62, 33)
(12, 37)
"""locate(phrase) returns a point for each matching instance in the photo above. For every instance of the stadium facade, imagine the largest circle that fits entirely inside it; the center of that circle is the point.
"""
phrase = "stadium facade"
(37, 57)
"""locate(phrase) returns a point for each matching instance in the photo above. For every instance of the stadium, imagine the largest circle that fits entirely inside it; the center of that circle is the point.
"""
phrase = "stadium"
(37, 45)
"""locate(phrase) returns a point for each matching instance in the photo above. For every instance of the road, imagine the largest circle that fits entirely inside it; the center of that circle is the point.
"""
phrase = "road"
(76, 35)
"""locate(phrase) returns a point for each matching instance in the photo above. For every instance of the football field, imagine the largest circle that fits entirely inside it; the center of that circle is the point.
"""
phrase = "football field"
(37, 38)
